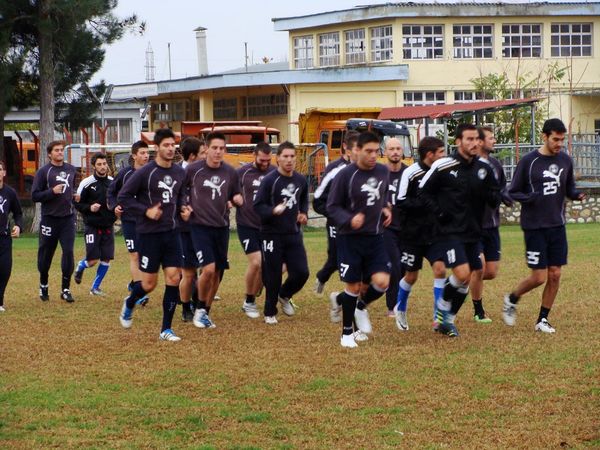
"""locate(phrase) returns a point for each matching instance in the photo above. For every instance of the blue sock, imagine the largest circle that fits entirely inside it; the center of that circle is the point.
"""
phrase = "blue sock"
(403, 293)
(137, 292)
(438, 289)
(100, 274)
(82, 265)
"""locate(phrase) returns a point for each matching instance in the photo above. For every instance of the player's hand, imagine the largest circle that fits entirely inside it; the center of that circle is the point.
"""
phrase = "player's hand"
(357, 221)
(76, 197)
(229, 204)
(95, 207)
(387, 213)
(59, 188)
(118, 211)
(16, 232)
(186, 212)
(279, 209)
(302, 218)
(238, 200)
(155, 212)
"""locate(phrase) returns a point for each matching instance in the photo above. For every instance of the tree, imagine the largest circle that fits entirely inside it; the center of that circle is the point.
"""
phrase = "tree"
(65, 40)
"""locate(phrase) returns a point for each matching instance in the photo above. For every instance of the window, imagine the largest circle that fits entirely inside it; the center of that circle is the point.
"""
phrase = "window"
(161, 112)
(355, 46)
(225, 108)
(471, 96)
(571, 39)
(472, 41)
(125, 130)
(267, 105)
(118, 131)
(329, 49)
(324, 138)
(597, 126)
(422, 41)
(336, 139)
(521, 40)
(381, 43)
(112, 131)
(424, 98)
(303, 52)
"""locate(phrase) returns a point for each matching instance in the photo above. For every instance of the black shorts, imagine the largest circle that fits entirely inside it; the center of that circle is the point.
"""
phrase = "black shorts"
(211, 244)
(412, 256)
(490, 244)
(156, 249)
(249, 238)
(546, 247)
(187, 250)
(455, 253)
(99, 243)
(360, 256)
(130, 235)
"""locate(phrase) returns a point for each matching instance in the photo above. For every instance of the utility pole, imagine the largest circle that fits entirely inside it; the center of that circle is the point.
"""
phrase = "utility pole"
(169, 49)
(246, 55)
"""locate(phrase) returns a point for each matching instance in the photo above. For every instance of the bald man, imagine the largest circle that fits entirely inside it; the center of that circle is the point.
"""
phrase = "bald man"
(391, 234)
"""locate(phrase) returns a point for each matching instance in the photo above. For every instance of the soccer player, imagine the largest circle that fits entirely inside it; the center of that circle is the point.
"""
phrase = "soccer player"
(154, 194)
(456, 189)
(212, 184)
(9, 204)
(490, 238)
(190, 149)
(99, 220)
(53, 187)
(139, 157)
(248, 222)
(282, 205)
(392, 233)
(320, 207)
(416, 223)
(358, 207)
(541, 182)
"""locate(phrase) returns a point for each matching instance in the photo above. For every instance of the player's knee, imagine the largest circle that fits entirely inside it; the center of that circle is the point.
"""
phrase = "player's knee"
(411, 277)
(554, 274)
(538, 277)
(209, 270)
(381, 281)
(148, 285)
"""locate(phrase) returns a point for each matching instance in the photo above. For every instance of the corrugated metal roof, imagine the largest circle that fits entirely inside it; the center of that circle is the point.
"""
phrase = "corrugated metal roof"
(448, 111)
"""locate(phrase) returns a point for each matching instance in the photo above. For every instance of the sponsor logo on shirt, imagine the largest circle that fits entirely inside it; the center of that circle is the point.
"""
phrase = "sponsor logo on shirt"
(289, 193)
(167, 184)
(481, 173)
(63, 178)
(371, 187)
(2, 203)
(215, 184)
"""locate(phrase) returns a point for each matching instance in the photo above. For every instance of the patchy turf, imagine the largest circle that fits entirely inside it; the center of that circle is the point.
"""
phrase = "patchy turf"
(71, 377)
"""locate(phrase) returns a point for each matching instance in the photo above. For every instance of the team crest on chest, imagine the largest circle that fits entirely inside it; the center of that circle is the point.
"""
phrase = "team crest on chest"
(63, 178)
(482, 173)
(289, 193)
(167, 184)
(215, 184)
(371, 187)
(2, 203)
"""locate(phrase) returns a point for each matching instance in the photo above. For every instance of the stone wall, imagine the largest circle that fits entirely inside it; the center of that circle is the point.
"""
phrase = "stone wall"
(586, 211)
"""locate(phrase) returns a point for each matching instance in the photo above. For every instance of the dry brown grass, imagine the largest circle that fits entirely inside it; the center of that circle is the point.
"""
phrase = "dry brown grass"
(71, 377)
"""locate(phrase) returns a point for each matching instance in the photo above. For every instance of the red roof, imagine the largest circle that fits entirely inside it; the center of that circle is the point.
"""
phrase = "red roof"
(457, 109)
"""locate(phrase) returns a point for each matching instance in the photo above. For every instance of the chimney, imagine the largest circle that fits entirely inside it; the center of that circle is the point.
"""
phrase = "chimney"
(201, 49)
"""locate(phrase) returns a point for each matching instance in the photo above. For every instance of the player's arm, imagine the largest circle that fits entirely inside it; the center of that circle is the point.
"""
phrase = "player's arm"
(572, 191)
(506, 199)
(113, 190)
(40, 191)
(336, 202)
(322, 192)
(519, 188)
(492, 193)
(17, 213)
(83, 205)
(428, 194)
(127, 197)
(262, 203)
(236, 193)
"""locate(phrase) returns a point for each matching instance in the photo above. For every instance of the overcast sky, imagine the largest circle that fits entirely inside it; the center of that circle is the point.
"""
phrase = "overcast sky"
(230, 23)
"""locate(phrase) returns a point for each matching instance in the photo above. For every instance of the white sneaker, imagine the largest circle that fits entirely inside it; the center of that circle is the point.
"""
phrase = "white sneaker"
(361, 316)
(509, 312)
(287, 307)
(168, 335)
(348, 341)
(251, 310)
(359, 336)
(2, 309)
(271, 320)
(335, 310)
(201, 319)
(544, 326)
(401, 321)
(126, 315)
(319, 287)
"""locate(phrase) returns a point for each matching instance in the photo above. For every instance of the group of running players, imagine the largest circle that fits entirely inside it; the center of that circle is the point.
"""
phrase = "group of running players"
(382, 220)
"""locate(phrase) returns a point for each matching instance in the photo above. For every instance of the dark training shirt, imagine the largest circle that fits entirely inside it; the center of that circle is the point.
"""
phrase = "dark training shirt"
(114, 189)
(274, 190)
(209, 191)
(355, 190)
(55, 205)
(250, 178)
(540, 184)
(151, 185)
(9, 203)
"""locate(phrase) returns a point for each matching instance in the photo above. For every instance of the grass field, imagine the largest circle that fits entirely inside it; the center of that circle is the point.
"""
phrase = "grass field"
(71, 377)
